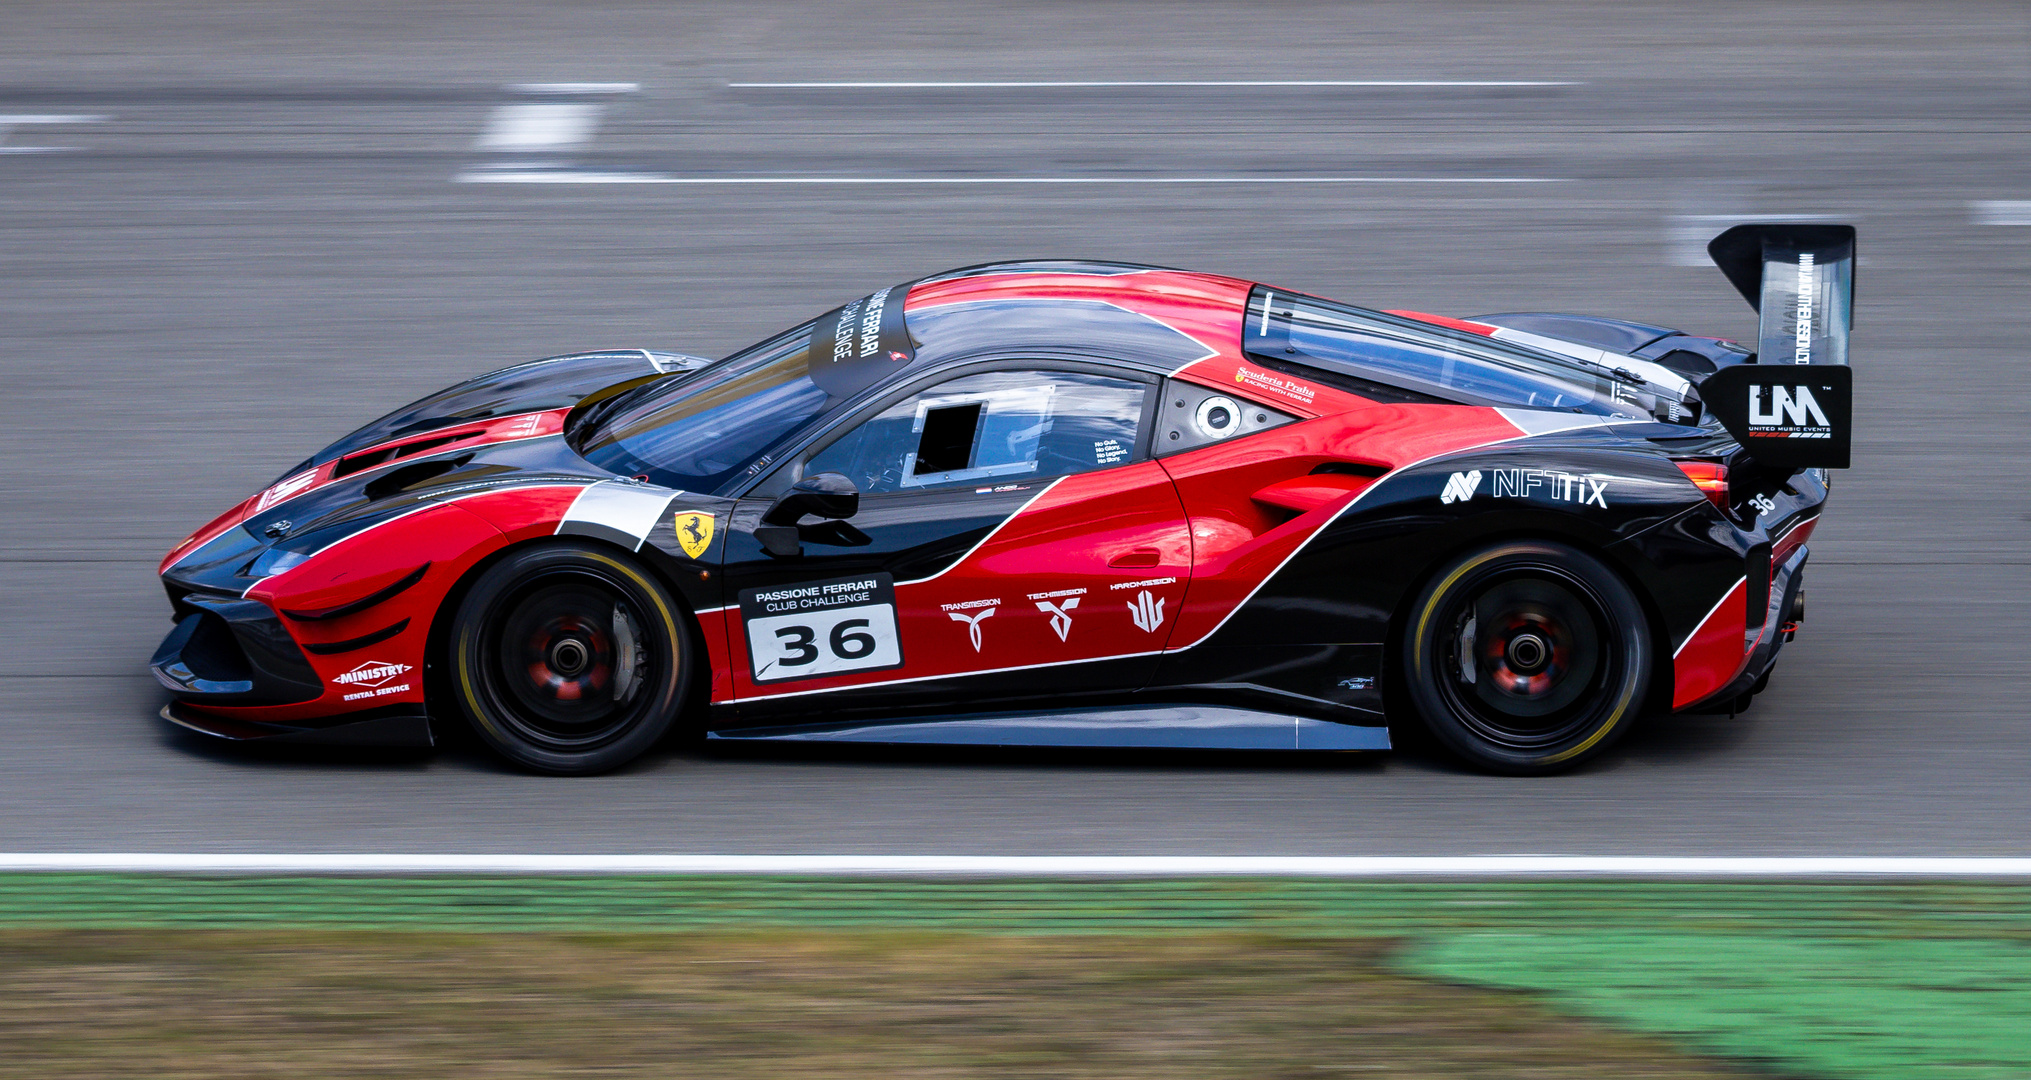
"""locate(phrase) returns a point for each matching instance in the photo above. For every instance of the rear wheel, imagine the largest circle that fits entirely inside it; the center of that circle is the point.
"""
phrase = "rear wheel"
(1527, 658)
(569, 659)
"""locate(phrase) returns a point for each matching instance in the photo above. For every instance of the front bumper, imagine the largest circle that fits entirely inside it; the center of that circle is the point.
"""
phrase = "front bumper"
(229, 651)
(233, 655)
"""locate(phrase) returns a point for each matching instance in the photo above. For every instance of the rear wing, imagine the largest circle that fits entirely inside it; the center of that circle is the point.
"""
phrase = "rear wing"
(1792, 408)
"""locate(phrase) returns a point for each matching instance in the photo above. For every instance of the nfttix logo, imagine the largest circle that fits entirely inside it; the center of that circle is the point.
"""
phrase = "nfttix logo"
(1556, 486)
(1529, 484)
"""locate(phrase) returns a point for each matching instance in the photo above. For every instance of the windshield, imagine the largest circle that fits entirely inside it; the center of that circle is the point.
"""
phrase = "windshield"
(1418, 356)
(698, 434)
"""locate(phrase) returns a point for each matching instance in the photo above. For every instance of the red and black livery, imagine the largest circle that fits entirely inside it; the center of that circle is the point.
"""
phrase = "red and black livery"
(1052, 504)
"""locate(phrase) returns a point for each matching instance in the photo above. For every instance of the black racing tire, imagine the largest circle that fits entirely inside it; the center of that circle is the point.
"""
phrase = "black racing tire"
(1527, 658)
(570, 659)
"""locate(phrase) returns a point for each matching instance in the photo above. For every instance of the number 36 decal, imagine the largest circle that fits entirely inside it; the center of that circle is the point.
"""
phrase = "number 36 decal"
(813, 628)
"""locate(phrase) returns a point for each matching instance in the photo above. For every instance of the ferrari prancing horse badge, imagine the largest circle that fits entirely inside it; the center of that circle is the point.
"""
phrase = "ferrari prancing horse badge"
(694, 531)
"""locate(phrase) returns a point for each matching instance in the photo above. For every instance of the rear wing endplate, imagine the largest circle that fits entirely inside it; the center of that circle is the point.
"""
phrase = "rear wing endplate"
(1792, 408)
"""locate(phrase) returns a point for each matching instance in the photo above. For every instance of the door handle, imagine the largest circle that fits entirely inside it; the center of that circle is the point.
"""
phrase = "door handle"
(1136, 557)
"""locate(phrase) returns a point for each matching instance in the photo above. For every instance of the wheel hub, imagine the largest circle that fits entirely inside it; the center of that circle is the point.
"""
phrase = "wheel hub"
(571, 659)
(569, 656)
(1528, 653)
(1526, 657)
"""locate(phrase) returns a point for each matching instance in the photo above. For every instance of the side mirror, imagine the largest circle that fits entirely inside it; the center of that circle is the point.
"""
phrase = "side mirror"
(826, 495)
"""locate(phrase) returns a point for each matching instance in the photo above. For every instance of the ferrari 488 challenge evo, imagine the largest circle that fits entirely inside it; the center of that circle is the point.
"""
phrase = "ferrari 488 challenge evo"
(1052, 504)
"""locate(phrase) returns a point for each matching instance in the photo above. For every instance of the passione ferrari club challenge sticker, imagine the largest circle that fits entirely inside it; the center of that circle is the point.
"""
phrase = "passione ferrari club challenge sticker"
(815, 628)
(858, 345)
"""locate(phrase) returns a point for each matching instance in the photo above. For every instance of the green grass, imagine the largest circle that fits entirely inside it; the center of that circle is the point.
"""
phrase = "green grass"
(1846, 981)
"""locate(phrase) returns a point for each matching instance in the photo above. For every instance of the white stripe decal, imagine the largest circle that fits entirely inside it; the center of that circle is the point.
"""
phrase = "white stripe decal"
(625, 507)
(1739, 582)
(1336, 866)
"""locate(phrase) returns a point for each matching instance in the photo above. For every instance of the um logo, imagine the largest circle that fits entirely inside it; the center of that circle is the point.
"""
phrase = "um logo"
(1792, 406)
(1147, 612)
(1460, 487)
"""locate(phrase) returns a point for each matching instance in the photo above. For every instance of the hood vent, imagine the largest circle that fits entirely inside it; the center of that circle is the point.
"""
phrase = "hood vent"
(408, 476)
(367, 459)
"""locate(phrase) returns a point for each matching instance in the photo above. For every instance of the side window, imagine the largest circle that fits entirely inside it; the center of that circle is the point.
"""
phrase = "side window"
(997, 425)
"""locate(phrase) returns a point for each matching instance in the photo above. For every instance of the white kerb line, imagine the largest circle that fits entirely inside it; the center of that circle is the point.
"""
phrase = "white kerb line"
(545, 177)
(1124, 83)
(1119, 866)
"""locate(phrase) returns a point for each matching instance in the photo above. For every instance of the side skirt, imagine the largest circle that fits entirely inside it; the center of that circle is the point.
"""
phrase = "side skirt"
(1184, 727)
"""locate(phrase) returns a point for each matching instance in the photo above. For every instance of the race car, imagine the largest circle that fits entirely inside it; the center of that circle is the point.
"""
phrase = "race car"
(1052, 504)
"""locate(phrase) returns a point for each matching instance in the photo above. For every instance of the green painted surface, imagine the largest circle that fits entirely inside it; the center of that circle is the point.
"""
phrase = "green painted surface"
(1861, 981)
(1890, 1009)
(1285, 906)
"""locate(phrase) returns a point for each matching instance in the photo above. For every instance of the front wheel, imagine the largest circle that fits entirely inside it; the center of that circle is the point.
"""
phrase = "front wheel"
(1527, 658)
(569, 659)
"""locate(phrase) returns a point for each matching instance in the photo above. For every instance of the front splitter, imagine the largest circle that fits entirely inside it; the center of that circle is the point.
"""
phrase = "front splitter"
(395, 726)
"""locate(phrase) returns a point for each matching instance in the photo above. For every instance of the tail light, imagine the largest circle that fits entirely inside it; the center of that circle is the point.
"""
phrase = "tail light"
(1708, 476)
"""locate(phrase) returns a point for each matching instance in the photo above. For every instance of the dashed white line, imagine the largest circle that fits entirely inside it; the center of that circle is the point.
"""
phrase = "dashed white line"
(539, 125)
(1686, 235)
(8, 121)
(1118, 83)
(1350, 866)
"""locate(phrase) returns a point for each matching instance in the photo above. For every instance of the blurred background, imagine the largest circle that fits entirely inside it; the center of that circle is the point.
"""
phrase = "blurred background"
(232, 231)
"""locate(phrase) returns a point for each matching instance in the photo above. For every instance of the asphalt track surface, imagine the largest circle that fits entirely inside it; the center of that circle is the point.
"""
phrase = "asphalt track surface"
(261, 243)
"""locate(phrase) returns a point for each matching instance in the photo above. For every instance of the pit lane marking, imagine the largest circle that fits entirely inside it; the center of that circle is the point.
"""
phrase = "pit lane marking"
(1130, 866)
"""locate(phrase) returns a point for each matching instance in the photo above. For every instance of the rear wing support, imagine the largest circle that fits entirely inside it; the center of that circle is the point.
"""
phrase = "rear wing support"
(1792, 408)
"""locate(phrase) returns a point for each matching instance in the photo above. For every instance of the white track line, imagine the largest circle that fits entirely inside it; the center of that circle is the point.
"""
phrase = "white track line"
(562, 176)
(1355, 866)
(1116, 83)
